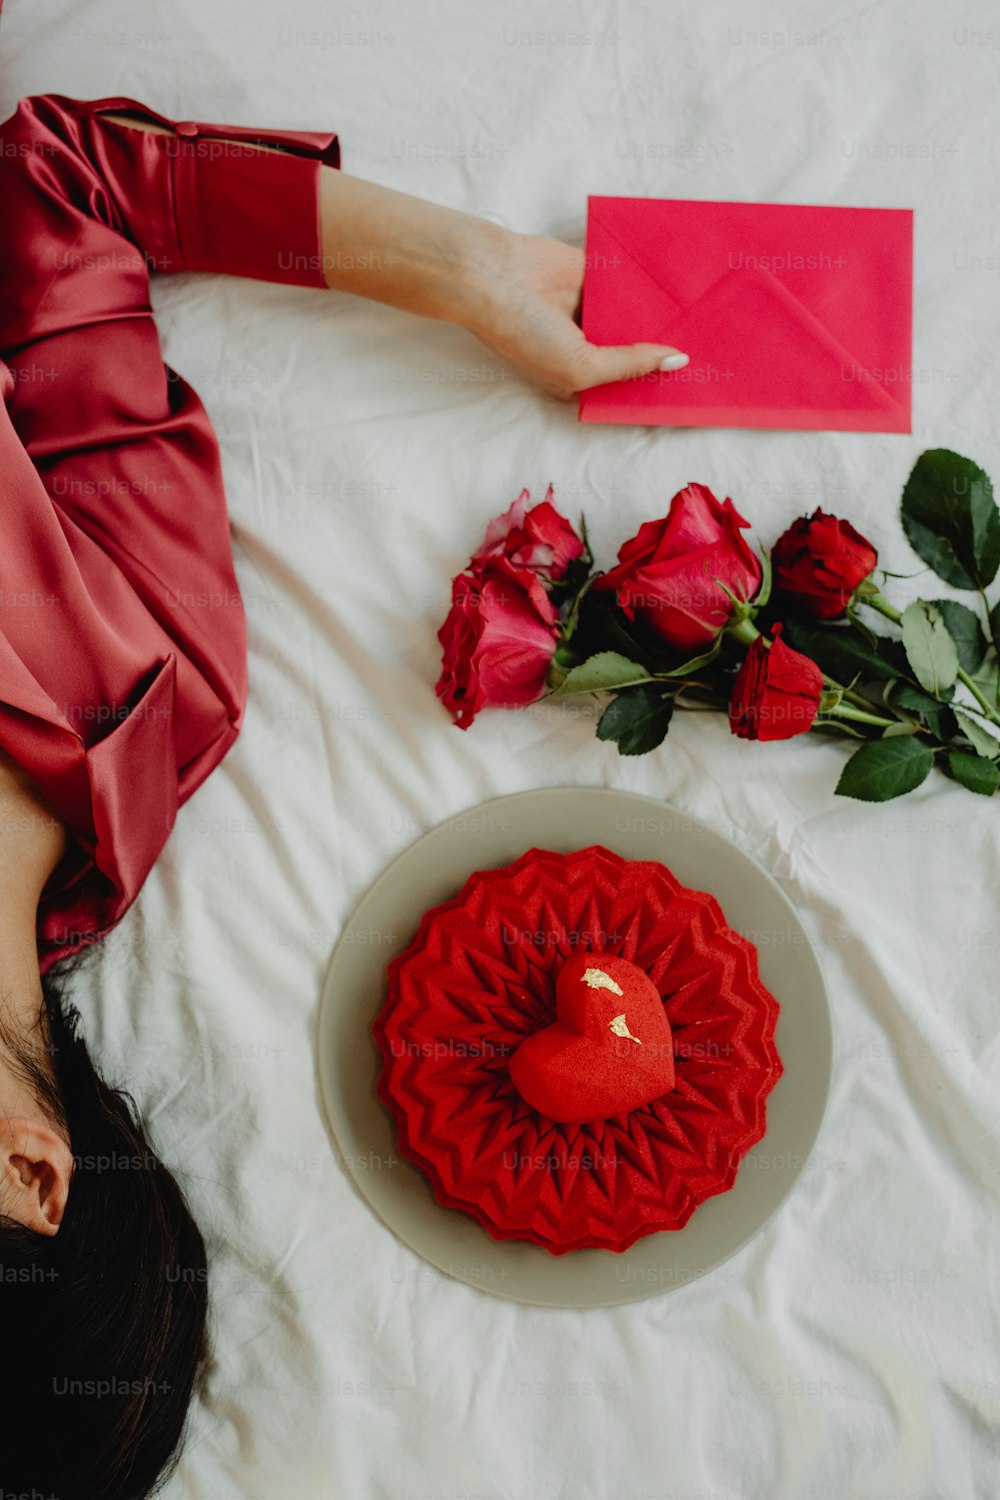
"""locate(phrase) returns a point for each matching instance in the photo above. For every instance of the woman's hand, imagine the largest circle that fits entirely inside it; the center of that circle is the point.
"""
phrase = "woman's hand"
(526, 311)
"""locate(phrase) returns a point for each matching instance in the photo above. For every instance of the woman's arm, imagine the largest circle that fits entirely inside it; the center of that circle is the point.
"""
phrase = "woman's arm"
(519, 294)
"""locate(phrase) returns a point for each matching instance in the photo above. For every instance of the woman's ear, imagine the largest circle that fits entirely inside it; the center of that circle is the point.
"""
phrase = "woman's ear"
(36, 1165)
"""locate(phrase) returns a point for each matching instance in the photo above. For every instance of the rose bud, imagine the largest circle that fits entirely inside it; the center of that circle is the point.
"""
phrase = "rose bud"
(540, 538)
(666, 574)
(498, 641)
(819, 562)
(776, 693)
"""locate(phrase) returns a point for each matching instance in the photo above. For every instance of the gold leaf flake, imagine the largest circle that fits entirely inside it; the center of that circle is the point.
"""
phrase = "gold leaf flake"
(598, 980)
(619, 1028)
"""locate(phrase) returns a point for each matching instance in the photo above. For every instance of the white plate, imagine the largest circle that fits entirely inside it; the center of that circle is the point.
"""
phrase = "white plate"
(431, 871)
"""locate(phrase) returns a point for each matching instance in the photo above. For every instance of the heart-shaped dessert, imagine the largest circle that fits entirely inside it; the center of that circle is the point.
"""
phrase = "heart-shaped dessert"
(609, 1050)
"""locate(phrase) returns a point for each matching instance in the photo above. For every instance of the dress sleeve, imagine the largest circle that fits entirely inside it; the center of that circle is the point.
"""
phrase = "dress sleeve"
(201, 198)
(122, 627)
(205, 198)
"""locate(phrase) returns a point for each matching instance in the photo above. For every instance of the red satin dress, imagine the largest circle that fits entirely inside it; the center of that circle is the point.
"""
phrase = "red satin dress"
(123, 674)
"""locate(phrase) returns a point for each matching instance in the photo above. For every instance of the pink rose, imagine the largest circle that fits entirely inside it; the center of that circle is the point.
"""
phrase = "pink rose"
(539, 539)
(666, 574)
(498, 640)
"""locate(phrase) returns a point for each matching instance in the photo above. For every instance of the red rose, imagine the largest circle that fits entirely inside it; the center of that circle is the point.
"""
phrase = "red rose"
(498, 640)
(666, 574)
(776, 692)
(819, 562)
(540, 539)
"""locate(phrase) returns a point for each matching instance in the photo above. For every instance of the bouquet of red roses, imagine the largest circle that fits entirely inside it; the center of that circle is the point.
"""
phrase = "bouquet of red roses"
(691, 616)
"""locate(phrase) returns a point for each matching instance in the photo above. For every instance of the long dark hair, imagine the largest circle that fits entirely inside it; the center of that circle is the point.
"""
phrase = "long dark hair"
(104, 1323)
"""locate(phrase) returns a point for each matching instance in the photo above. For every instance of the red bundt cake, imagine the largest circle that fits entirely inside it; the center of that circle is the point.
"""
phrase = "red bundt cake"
(577, 1049)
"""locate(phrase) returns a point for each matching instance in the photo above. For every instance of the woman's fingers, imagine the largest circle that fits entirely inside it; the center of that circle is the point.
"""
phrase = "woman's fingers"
(598, 365)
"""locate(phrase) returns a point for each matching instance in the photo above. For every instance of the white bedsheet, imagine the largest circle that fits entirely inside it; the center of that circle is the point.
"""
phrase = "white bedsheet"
(852, 1349)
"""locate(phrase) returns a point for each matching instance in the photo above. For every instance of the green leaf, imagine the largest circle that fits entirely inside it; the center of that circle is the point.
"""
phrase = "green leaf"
(987, 680)
(638, 719)
(951, 518)
(936, 716)
(843, 652)
(962, 624)
(902, 694)
(978, 735)
(929, 648)
(600, 674)
(885, 768)
(902, 726)
(995, 622)
(974, 772)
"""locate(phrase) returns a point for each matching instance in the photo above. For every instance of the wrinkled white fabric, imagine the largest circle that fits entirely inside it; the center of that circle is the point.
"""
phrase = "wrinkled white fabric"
(851, 1349)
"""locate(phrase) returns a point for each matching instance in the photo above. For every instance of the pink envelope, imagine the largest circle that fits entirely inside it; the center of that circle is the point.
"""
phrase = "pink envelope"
(793, 316)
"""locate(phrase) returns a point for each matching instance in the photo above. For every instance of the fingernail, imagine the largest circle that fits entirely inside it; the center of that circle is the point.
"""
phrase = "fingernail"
(674, 362)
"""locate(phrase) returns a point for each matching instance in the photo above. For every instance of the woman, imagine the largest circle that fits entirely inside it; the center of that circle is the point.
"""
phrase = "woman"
(123, 684)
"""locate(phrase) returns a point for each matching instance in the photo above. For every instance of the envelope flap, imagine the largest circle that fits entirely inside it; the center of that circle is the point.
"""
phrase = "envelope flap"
(621, 291)
(749, 323)
(638, 250)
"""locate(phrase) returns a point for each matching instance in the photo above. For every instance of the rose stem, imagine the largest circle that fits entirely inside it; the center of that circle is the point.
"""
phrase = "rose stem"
(847, 711)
